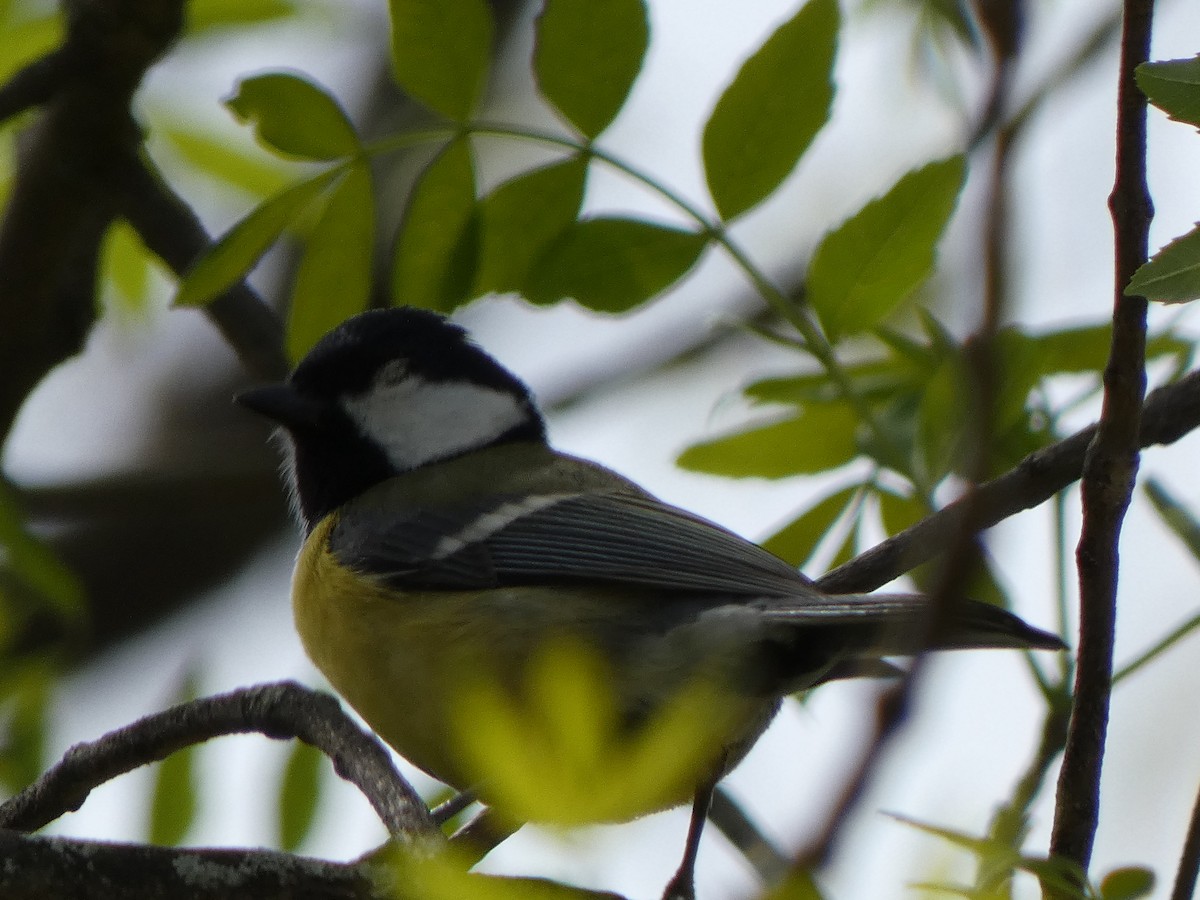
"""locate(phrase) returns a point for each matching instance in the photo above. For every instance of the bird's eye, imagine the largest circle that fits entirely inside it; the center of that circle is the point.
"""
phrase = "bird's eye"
(392, 372)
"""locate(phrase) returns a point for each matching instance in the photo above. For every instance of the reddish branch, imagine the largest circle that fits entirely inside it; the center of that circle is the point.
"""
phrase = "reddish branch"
(1110, 467)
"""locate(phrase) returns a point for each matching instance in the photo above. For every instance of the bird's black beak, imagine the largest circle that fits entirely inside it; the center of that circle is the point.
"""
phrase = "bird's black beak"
(283, 404)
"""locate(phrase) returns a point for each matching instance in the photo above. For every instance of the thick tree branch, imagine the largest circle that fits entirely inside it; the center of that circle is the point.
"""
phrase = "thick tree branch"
(1110, 467)
(283, 710)
(35, 84)
(37, 868)
(75, 175)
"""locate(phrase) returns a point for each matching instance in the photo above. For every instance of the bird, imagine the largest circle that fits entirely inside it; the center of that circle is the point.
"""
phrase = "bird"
(443, 534)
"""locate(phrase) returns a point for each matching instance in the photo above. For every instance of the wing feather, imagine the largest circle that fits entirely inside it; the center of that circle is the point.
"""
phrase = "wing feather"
(606, 538)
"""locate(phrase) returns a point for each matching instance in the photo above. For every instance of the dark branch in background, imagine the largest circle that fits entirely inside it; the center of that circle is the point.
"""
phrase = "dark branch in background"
(1189, 859)
(37, 868)
(76, 169)
(170, 229)
(284, 710)
(1110, 467)
(1170, 413)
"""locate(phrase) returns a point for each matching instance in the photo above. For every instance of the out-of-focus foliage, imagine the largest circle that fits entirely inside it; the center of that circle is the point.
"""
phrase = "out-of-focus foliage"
(300, 793)
(174, 801)
(560, 752)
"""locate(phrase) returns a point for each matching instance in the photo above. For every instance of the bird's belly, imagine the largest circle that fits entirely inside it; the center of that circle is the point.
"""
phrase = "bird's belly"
(403, 660)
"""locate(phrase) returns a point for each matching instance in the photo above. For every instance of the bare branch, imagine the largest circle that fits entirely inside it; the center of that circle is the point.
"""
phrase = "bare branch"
(40, 867)
(169, 228)
(283, 710)
(1110, 467)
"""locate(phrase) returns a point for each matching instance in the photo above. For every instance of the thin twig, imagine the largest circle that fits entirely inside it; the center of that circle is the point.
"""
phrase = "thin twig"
(1110, 467)
(1189, 859)
(283, 710)
(756, 848)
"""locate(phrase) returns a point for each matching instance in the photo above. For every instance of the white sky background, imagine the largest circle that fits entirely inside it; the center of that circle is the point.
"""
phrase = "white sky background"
(976, 718)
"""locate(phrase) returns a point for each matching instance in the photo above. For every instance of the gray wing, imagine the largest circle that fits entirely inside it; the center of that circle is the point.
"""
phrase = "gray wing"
(606, 538)
(630, 540)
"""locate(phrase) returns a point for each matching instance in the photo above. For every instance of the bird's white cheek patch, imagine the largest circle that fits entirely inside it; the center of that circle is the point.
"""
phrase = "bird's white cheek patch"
(416, 421)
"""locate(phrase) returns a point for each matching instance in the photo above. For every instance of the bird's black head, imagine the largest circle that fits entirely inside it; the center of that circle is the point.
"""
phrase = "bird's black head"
(385, 392)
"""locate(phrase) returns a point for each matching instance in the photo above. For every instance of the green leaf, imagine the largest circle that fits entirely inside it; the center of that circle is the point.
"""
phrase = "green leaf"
(32, 561)
(796, 885)
(294, 116)
(587, 57)
(427, 265)
(1174, 87)
(174, 803)
(796, 543)
(299, 794)
(441, 52)
(203, 15)
(126, 267)
(23, 41)
(26, 690)
(613, 265)
(898, 512)
(251, 171)
(768, 116)
(1173, 274)
(820, 438)
(941, 419)
(520, 219)
(863, 270)
(333, 281)
(1177, 516)
(1127, 883)
(873, 379)
(242, 246)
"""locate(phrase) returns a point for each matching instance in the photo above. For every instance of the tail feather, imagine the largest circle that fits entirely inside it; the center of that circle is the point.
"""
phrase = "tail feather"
(898, 624)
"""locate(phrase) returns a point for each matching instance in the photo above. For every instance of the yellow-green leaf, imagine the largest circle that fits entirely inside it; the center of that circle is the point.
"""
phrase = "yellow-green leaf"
(1173, 86)
(768, 116)
(429, 267)
(587, 56)
(249, 169)
(173, 803)
(333, 281)
(863, 270)
(796, 542)
(1173, 274)
(519, 219)
(818, 439)
(299, 794)
(613, 265)
(294, 116)
(228, 261)
(442, 51)
(203, 15)
(1127, 883)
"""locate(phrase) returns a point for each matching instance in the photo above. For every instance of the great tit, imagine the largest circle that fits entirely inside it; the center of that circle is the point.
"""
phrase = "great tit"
(443, 535)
